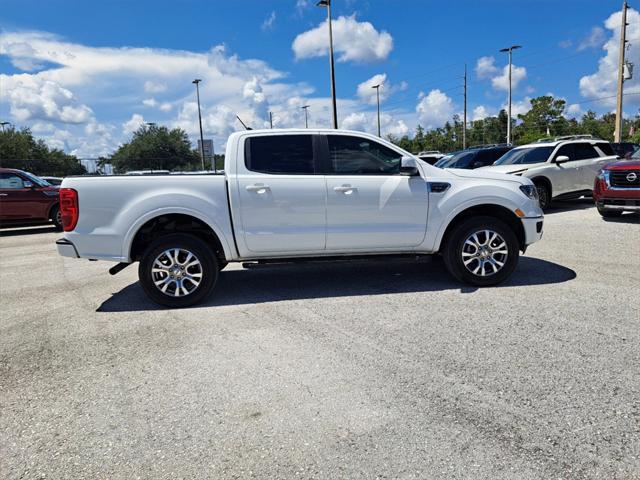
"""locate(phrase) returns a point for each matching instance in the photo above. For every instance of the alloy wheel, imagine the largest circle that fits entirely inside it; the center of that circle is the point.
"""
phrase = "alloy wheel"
(484, 253)
(177, 272)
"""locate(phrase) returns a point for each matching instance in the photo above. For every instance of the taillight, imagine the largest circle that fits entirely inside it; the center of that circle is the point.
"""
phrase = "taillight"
(69, 208)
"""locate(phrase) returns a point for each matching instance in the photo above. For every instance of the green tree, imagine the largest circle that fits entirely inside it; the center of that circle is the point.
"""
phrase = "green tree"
(542, 120)
(156, 148)
(18, 149)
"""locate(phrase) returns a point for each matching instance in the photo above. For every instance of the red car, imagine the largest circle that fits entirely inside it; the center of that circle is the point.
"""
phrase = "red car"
(617, 188)
(26, 198)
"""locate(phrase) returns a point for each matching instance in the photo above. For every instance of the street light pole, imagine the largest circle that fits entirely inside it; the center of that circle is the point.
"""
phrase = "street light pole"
(4, 124)
(510, 50)
(197, 83)
(623, 34)
(377, 87)
(327, 3)
(306, 119)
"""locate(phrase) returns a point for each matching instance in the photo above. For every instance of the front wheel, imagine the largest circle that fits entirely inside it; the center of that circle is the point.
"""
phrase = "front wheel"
(544, 195)
(481, 251)
(178, 270)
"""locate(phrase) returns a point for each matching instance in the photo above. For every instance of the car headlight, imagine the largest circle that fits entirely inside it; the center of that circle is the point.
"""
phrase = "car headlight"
(530, 191)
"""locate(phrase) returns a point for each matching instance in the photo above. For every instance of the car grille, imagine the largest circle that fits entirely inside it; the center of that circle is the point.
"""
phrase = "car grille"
(618, 178)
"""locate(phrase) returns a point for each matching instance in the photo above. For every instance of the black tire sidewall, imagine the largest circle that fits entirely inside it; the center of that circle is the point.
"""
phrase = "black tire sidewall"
(54, 217)
(452, 253)
(199, 248)
(547, 195)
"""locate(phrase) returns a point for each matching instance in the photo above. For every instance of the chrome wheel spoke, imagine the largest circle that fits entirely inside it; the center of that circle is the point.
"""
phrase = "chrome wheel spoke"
(484, 253)
(171, 270)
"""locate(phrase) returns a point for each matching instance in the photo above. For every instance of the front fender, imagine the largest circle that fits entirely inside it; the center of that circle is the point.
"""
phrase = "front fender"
(444, 210)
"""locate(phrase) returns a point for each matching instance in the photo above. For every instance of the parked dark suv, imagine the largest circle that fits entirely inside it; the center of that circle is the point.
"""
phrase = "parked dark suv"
(474, 157)
(26, 198)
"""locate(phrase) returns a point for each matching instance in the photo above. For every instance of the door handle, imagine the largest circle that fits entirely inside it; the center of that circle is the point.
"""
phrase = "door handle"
(260, 189)
(3, 194)
(345, 189)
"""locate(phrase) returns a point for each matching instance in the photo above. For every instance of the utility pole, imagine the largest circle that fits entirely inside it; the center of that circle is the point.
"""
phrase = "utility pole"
(623, 34)
(197, 83)
(510, 50)
(306, 117)
(377, 87)
(327, 3)
(271, 119)
(464, 118)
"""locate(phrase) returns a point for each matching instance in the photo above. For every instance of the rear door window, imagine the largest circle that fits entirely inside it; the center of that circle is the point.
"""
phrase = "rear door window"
(361, 156)
(280, 154)
(584, 151)
(10, 181)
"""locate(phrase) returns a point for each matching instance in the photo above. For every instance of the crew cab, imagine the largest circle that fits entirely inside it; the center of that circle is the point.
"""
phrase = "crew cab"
(27, 198)
(563, 167)
(617, 188)
(299, 195)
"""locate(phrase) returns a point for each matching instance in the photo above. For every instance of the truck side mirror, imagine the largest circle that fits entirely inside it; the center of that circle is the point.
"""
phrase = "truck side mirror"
(562, 159)
(408, 167)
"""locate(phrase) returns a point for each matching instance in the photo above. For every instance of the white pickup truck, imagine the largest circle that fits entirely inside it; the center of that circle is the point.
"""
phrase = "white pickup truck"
(298, 195)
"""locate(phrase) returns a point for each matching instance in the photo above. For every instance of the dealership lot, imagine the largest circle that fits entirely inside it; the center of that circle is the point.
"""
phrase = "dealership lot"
(384, 369)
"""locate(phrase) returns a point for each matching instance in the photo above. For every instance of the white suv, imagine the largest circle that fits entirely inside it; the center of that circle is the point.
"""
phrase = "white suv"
(564, 167)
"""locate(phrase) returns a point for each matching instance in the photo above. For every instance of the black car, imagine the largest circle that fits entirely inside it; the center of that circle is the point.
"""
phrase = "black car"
(624, 149)
(474, 157)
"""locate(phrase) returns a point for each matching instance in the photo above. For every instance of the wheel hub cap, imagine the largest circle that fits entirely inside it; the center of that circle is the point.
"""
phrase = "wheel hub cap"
(177, 272)
(484, 253)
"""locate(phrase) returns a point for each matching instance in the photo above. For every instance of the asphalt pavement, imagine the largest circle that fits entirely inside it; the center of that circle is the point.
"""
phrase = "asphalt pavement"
(381, 369)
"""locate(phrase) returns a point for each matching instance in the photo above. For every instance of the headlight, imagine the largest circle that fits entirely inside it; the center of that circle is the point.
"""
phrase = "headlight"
(530, 191)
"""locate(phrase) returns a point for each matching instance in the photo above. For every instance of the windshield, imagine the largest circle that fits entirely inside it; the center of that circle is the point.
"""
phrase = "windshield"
(525, 155)
(444, 161)
(37, 180)
(461, 160)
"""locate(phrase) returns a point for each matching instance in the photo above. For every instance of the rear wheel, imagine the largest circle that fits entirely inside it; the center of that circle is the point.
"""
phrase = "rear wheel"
(56, 217)
(481, 251)
(178, 270)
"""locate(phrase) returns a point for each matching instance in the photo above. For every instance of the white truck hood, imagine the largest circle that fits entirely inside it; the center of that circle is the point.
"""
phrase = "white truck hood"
(486, 173)
(513, 168)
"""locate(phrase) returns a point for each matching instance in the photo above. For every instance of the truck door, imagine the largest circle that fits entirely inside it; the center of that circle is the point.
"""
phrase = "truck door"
(369, 204)
(282, 198)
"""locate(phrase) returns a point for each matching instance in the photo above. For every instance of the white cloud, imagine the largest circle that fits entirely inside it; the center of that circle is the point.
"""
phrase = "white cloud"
(368, 122)
(269, 22)
(150, 102)
(367, 93)
(594, 40)
(434, 109)
(31, 97)
(485, 67)
(481, 112)
(603, 83)
(133, 124)
(573, 111)
(154, 87)
(153, 103)
(501, 82)
(519, 107)
(352, 40)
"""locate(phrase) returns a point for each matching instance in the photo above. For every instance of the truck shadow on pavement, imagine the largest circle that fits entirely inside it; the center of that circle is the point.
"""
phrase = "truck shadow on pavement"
(338, 279)
(32, 230)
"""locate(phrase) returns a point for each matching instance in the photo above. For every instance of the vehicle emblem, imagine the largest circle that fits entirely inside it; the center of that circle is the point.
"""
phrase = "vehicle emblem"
(632, 177)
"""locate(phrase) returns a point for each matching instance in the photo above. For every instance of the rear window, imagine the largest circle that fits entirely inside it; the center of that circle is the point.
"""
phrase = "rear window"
(280, 154)
(606, 148)
(584, 151)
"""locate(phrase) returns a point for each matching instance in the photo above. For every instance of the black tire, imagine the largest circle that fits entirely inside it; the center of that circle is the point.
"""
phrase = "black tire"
(56, 217)
(454, 249)
(208, 269)
(609, 213)
(544, 195)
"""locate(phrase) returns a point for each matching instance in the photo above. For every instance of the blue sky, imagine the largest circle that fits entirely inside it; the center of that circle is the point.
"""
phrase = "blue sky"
(83, 75)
